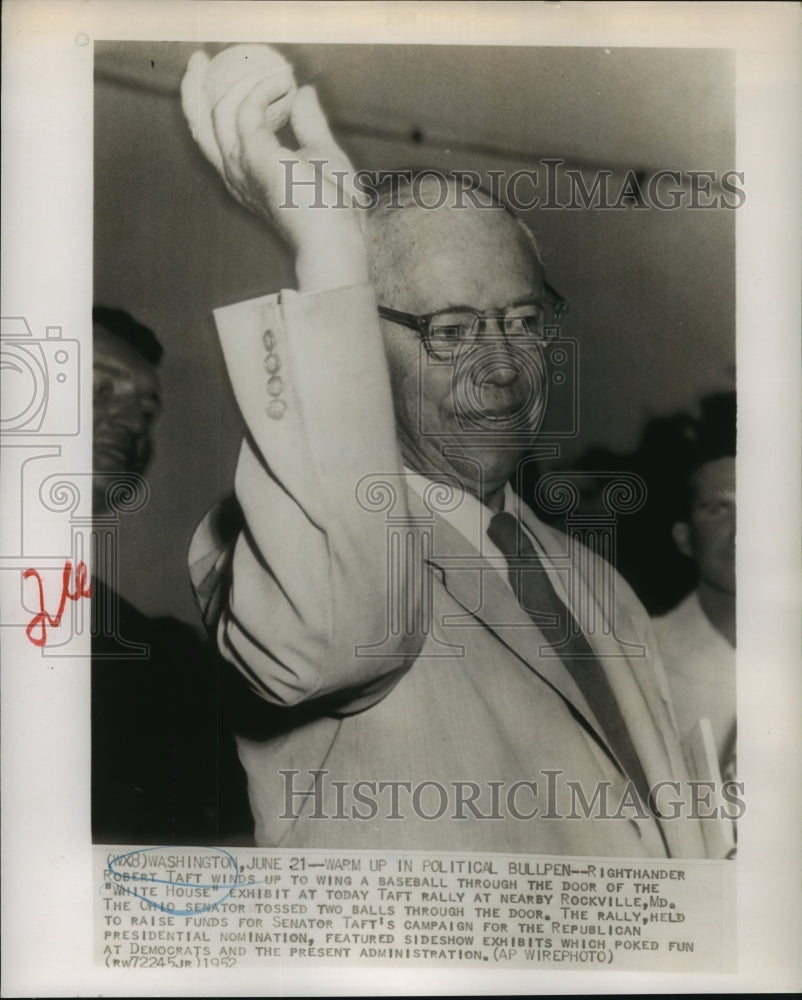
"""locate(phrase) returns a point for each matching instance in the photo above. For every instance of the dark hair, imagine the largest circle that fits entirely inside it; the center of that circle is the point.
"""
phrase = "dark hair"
(709, 438)
(714, 434)
(118, 323)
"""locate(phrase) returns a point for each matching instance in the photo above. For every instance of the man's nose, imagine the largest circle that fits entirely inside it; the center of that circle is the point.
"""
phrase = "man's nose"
(732, 530)
(127, 412)
(501, 372)
(496, 364)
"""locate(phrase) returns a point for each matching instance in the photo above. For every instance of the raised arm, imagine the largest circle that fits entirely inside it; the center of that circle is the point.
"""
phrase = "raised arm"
(305, 582)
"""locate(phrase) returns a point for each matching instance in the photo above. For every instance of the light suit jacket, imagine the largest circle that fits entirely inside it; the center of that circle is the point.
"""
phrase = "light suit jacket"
(464, 702)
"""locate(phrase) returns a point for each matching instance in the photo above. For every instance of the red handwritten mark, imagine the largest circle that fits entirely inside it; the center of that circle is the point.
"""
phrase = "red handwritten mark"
(42, 620)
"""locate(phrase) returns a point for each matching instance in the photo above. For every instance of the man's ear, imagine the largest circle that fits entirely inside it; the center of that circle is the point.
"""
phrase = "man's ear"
(681, 533)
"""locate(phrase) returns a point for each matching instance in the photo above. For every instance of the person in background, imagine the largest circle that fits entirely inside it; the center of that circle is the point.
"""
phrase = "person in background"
(697, 638)
(164, 767)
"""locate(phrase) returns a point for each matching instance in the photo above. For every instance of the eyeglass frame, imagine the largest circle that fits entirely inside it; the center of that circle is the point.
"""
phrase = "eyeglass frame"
(421, 323)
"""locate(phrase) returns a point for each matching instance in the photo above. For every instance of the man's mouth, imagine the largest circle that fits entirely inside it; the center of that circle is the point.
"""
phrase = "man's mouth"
(498, 409)
(504, 411)
(113, 448)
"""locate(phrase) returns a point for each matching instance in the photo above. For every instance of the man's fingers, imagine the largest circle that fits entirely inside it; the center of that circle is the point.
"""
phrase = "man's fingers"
(264, 109)
(235, 124)
(247, 116)
(309, 123)
(312, 131)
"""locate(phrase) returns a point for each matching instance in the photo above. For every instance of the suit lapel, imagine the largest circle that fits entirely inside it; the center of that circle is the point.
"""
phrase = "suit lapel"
(474, 582)
(632, 676)
(623, 659)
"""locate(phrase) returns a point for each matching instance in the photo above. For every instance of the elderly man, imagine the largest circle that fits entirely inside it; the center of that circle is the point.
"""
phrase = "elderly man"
(402, 616)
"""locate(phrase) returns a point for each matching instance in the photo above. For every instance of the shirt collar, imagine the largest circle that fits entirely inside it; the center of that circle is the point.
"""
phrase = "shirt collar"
(471, 518)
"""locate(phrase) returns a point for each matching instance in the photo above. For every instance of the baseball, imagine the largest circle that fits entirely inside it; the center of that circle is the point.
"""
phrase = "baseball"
(244, 66)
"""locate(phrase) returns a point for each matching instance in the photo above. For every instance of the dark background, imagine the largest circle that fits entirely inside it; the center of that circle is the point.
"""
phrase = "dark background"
(652, 293)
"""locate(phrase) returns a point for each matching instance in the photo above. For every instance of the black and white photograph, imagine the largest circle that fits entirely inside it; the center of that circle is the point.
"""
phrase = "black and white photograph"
(409, 670)
(421, 607)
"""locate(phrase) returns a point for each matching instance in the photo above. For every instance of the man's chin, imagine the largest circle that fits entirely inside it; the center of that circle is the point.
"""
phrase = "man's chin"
(486, 468)
(113, 461)
(108, 466)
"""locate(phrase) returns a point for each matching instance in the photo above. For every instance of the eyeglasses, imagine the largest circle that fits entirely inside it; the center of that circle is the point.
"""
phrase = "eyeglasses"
(446, 330)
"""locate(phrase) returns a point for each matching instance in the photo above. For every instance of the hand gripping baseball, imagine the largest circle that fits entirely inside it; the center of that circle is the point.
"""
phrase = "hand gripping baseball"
(234, 104)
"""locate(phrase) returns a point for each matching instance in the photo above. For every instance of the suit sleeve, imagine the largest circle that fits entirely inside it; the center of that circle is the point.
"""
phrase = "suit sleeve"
(300, 592)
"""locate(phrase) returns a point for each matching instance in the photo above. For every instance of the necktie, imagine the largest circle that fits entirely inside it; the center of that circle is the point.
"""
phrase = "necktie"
(538, 598)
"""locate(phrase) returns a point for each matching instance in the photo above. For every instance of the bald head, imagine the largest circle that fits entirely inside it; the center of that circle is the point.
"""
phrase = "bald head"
(420, 228)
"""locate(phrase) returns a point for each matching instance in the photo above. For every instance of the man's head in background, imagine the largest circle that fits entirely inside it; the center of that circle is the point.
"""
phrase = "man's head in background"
(126, 396)
(706, 530)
